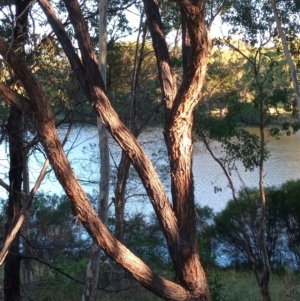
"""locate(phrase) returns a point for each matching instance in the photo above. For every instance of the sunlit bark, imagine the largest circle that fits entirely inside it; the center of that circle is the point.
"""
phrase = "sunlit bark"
(92, 83)
(178, 129)
(39, 111)
(177, 222)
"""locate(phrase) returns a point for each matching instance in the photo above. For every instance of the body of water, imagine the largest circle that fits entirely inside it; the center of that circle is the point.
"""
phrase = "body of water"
(82, 149)
(282, 165)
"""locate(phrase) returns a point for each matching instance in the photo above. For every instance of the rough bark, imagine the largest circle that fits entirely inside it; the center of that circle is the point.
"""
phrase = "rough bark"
(89, 77)
(178, 129)
(166, 74)
(39, 111)
(178, 225)
(183, 250)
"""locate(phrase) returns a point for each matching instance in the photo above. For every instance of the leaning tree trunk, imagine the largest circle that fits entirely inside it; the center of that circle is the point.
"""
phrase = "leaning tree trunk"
(179, 233)
(287, 53)
(91, 282)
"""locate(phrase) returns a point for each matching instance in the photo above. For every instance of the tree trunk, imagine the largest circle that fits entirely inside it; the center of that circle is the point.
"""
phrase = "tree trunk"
(287, 53)
(26, 263)
(264, 281)
(120, 190)
(178, 130)
(12, 267)
(179, 234)
(81, 206)
(91, 282)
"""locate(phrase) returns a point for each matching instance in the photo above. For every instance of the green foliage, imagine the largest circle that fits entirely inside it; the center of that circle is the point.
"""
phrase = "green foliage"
(237, 143)
(245, 214)
(120, 74)
(205, 236)
(217, 288)
(49, 284)
(170, 16)
(287, 128)
(248, 114)
(53, 230)
(241, 285)
(290, 214)
(52, 68)
(282, 226)
(144, 237)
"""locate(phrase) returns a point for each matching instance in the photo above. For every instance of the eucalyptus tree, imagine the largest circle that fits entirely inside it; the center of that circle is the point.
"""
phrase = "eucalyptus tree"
(15, 132)
(21, 137)
(282, 19)
(91, 281)
(178, 221)
(254, 23)
(276, 18)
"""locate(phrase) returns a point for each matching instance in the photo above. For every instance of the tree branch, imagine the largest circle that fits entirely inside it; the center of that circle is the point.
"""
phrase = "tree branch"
(18, 220)
(4, 185)
(42, 117)
(165, 71)
(90, 79)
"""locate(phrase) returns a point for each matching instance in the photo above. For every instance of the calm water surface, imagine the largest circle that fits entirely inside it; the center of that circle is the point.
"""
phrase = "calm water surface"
(282, 165)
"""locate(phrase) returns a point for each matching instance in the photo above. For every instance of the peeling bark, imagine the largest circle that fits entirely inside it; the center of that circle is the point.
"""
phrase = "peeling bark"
(178, 129)
(40, 113)
(177, 222)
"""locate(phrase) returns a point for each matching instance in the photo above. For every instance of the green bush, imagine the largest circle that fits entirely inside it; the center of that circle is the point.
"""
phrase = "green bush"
(290, 214)
(282, 227)
(229, 234)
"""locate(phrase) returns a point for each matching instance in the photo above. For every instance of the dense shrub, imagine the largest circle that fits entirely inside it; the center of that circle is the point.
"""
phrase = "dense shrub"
(282, 226)
(229, 234)
(290, 214)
